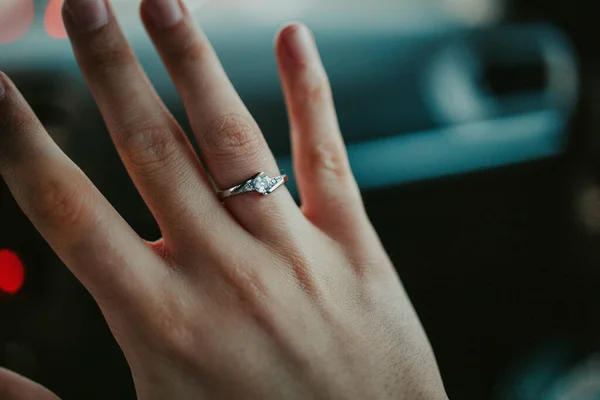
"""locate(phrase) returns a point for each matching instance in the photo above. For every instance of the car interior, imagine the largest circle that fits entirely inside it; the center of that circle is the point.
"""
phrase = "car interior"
(472, 131)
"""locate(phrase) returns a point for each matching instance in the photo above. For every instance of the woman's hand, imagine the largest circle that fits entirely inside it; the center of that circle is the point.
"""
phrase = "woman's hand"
(253, 299)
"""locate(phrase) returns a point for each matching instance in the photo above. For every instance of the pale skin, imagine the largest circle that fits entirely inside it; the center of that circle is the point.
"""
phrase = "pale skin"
(255, 298)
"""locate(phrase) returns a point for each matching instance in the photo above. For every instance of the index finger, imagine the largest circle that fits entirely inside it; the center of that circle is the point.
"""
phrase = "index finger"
(76, 220)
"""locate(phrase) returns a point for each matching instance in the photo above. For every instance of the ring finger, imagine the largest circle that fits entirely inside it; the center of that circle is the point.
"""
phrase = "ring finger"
(232, 146)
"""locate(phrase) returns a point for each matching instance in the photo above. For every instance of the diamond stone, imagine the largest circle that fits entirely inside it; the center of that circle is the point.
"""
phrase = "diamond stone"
(261, 184)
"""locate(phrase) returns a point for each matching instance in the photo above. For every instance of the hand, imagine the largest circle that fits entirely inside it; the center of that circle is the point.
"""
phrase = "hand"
(255, 299)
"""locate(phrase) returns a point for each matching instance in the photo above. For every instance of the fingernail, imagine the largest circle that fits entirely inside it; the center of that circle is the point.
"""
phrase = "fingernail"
(163, 13)
(299, 44)
(87, 15)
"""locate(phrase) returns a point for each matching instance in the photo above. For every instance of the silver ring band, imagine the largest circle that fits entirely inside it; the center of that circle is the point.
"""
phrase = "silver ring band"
(260, 183)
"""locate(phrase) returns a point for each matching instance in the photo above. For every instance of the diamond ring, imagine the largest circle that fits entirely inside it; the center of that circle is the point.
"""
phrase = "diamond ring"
(260, 183)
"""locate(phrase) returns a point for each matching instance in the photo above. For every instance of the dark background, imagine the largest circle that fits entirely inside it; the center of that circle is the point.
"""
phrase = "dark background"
(500, 260)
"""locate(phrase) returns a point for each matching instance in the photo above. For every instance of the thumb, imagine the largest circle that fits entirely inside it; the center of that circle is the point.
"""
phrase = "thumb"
(16, 387)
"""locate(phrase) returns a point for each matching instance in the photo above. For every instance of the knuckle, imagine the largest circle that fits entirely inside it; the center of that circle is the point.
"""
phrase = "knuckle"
(106, 53)
(181, 45)
(174, 335)
(190, 50)
(151, 149)
(60, 202)
(232, 136)
(328, 157)
(315, 89)
(178, 338)
(13, 124)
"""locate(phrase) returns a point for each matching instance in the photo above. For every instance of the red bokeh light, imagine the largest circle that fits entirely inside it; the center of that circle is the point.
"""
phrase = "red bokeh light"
(53, 20)
(16, 18)
(12, 272)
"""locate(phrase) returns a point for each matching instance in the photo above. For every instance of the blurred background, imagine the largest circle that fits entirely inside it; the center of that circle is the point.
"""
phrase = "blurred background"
(473, 132)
